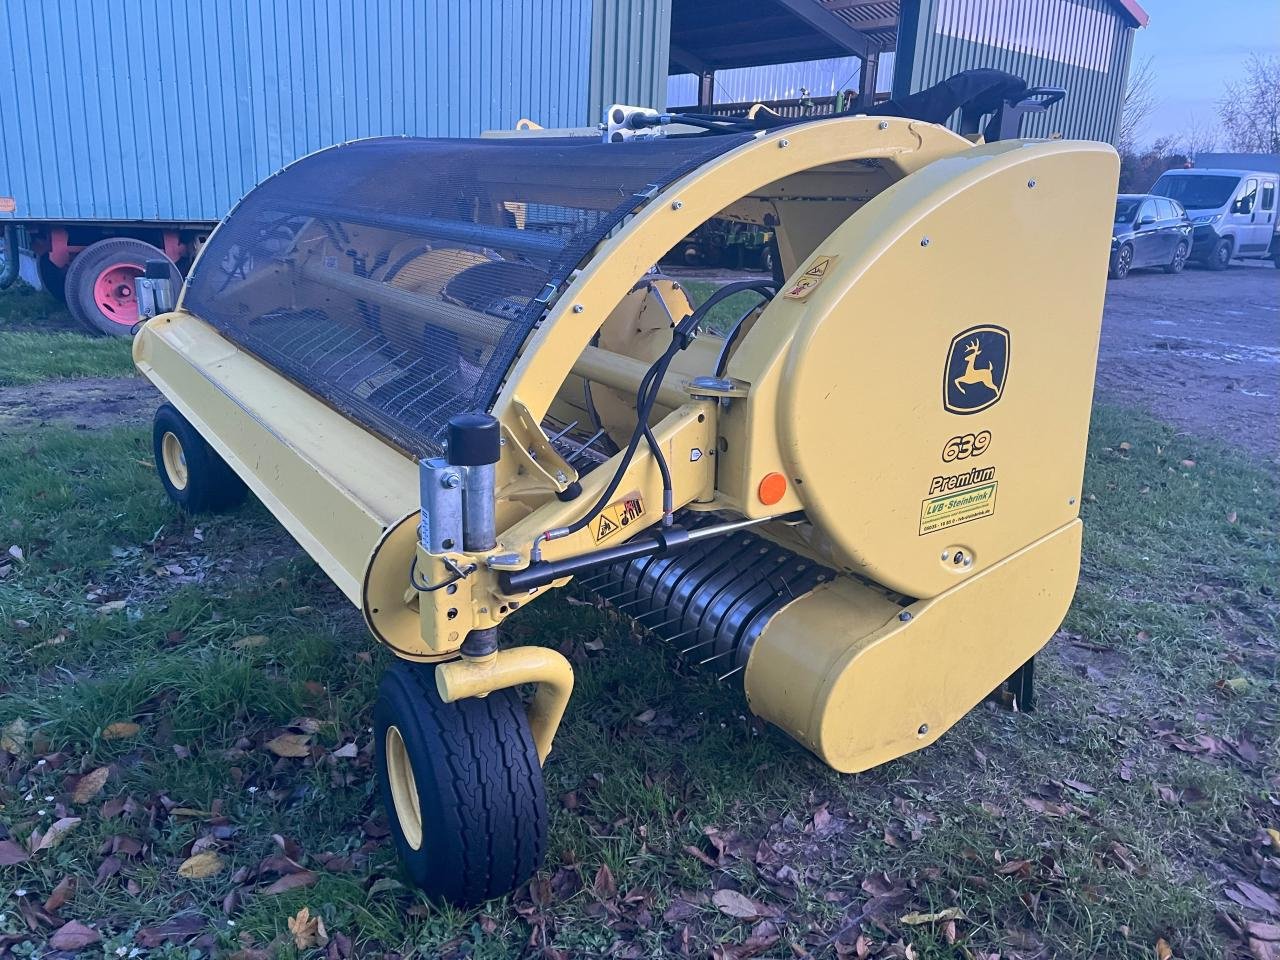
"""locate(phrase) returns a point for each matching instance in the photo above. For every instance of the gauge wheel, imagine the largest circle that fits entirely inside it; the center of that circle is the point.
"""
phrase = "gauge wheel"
(100, 287)
(1121, 262)
(1179, 258)
(1220, 255)
(461, 786)
(52, 277)
(192, 473)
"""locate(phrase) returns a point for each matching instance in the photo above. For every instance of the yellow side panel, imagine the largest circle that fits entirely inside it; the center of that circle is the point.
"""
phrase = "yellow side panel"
(334, 486)
(927, 391)
(842, 672)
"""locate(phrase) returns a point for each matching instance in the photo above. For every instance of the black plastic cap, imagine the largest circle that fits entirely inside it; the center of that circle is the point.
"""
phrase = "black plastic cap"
(572, 492)
(157, 270)
(474, 440)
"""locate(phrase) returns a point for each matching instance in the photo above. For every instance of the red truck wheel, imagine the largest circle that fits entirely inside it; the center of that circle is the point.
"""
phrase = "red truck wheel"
(100, 284)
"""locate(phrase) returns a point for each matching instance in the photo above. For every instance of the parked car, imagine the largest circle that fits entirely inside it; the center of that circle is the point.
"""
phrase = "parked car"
(1149, 232)
(1233, 212)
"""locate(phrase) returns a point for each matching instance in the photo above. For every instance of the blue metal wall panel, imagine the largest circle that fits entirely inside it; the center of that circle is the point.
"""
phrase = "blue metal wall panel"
(1082, 45)
(151, 110)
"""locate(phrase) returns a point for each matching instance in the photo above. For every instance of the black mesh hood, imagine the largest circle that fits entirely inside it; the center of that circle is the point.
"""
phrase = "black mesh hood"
(397, 278)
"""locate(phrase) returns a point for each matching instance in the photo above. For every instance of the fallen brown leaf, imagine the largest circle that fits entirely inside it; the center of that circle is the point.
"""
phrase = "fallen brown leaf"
(74, 935)
(90, 785)
(175, 930)
(291, 881)
(700, 855)
(120, 730)
(734, 904)
(253, 640)
(1263, 931)
(13, 736)
(604, 885)
(308, 931)
(951, 913)
(763, 936)
(1010, 867)
(1163, 950)
(292, 745)
(1248, 895)
(200, 866)
(61, 894)
(11, 853)
(57, 830)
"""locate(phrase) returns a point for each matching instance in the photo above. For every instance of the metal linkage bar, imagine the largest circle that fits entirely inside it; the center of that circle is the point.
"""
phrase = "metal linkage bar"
(547, 246)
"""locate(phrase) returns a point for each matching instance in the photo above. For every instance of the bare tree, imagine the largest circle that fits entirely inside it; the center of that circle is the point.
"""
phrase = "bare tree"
(1195, 138)
(1250, 108)
(1139, 101)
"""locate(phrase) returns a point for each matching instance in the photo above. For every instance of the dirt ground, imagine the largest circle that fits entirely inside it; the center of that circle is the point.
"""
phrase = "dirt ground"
(84, 404)
(1199, 350)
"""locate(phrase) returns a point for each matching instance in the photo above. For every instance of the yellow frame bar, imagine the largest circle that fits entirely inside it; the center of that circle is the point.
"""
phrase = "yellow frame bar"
(479, 677)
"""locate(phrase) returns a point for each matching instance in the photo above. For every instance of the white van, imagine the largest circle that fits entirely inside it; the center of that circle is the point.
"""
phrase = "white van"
(1233, 212)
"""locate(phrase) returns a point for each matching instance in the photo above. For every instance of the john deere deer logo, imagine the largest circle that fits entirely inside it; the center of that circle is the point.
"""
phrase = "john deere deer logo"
(977, 365)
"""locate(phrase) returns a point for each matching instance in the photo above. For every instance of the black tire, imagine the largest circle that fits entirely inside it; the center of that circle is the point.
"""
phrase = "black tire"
(52, 278)
(1220, 256)
(766, 261)
(118, 316)
(479, 826)
(191, 472)
(1179, 258)
(1121, 262)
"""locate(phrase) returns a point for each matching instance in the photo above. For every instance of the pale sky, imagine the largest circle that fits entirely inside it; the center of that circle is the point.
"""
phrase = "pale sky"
(1195, 46)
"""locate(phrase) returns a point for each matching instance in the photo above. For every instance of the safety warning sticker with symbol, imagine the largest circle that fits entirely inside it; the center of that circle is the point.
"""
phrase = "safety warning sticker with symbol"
(808, 281)
(617, 516)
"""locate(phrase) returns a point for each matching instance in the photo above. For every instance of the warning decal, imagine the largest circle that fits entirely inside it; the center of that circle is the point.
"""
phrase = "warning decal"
(809, 280)
(952, 509)
(616, 517)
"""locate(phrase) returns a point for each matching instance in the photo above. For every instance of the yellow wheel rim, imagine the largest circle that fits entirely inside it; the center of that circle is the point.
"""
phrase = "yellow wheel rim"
(404, 789)
(175, 461)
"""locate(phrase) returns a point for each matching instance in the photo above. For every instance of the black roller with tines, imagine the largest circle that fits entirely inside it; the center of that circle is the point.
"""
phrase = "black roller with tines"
(712, 600)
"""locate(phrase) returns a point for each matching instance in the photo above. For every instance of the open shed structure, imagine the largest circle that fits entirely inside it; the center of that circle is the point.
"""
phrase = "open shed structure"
(1083, 46)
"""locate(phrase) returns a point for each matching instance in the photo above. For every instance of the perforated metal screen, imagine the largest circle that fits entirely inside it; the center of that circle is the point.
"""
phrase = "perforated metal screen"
(397, 278)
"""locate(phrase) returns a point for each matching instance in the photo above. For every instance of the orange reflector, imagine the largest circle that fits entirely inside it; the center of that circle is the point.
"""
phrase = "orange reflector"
(773, 487)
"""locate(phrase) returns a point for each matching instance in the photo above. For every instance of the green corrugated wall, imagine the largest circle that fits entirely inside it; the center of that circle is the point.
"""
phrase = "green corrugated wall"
(1082, 45)
(630, 47)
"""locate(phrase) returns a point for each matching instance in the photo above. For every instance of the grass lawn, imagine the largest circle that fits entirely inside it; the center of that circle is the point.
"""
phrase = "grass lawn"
(40, 341)
(152, 658)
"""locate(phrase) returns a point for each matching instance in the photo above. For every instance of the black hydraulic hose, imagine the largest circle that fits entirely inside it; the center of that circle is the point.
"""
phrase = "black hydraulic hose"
(764, 287)
(646, 397)
(767, 292)
(715, 126)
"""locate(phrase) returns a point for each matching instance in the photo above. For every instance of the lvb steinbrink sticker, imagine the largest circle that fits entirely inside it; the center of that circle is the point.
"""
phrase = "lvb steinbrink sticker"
(961, 506)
